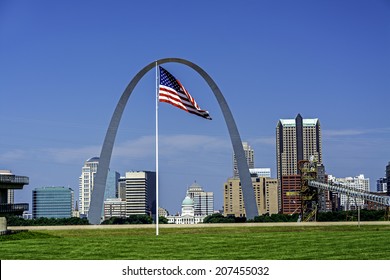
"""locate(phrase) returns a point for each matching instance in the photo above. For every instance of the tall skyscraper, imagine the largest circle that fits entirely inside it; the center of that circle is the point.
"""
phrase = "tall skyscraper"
(250, 157)
(52, 202)
(141, 193)
(87, 182)
(203, 201)
(296, 139)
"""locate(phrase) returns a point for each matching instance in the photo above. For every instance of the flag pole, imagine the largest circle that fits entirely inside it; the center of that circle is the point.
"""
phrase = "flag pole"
(157, 179)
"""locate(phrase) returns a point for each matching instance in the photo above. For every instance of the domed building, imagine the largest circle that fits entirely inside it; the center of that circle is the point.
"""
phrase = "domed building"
(187, 216)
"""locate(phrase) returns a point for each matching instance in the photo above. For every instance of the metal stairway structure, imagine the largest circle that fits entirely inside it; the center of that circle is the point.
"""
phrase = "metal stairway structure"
(311, 186)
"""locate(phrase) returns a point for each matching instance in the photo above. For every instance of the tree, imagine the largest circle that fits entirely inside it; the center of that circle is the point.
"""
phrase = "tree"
(218, 218)
(162, 220)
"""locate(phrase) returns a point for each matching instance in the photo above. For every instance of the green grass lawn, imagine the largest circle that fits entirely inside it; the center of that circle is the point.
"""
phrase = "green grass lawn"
(230, 243)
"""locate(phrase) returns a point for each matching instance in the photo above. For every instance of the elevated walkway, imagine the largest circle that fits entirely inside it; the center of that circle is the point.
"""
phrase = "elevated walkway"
(351, 192)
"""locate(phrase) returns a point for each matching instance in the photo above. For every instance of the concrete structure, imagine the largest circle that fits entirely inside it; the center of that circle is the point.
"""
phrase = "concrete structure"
(187, 216)
(203, 201)
(141, 193)
(114, 207)
(87, 183)
(296, 139)
(52, 202)
(359, 183)
(266, 195)
(250, 158)
(3, 224)
(8, 183)
(109, 140)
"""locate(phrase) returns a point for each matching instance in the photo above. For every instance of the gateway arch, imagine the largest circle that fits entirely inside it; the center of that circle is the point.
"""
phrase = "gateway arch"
(97, 196)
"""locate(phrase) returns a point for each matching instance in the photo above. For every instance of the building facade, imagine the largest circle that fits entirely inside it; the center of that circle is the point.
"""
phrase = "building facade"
(250, 157)
(52, 202)
(290, 190)
(87, 182)
(381, 185)
(187, 216)
(114, 207)
(296, 139)
(203, 201)
(266, 196)
(140, 193)
(8, 183)
(162, 212)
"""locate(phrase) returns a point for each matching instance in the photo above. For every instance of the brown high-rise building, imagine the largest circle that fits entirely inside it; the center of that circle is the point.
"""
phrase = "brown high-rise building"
(296, 139)
(265, 192)
(290, 192)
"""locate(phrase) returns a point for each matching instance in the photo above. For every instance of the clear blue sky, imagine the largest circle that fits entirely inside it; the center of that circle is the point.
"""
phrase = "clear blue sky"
(64, 65)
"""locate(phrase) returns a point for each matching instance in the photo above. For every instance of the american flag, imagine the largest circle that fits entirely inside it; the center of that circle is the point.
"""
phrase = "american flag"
(172, 91)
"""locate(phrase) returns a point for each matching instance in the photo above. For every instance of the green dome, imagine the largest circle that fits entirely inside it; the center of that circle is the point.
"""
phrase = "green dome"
(187, 201)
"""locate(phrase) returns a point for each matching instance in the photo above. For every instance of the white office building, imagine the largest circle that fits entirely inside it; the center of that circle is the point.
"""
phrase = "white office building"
(203, 201)
(87, 182)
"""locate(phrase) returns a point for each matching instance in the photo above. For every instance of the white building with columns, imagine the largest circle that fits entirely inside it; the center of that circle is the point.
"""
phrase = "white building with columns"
(187, 216)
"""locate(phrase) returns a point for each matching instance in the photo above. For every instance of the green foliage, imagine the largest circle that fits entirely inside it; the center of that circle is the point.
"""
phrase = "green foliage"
(19, 221)
(133, 219)
(275, 218)
(218, 218)
(162, 220)
(365, 215)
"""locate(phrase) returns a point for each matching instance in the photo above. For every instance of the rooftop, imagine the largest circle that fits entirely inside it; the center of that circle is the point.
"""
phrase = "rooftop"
(291, 122)
(93, 159)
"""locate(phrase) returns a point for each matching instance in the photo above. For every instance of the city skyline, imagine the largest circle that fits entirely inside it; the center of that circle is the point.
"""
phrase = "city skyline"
(65, 65)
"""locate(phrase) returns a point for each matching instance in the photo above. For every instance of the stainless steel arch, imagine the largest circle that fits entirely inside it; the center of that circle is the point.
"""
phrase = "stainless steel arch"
(97, 197)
